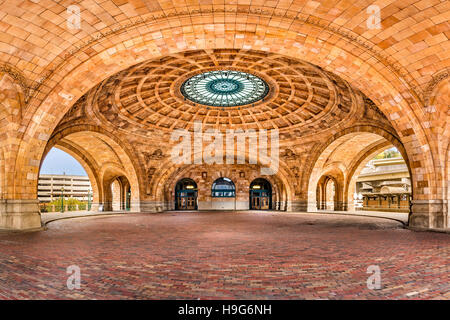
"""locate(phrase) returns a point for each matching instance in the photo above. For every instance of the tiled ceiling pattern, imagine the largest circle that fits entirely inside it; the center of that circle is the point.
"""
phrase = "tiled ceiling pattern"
(148, 95)
(34, 36)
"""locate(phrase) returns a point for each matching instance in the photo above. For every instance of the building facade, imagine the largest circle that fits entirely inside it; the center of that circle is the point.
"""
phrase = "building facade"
(53, 186)
(385, 184)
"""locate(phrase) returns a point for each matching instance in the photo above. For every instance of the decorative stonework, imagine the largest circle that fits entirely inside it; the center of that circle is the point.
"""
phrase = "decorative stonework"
(18, 77)
(126, 117)
(437, 78)
(156, 155)
(147, 97)
(150, 173)
(295, 17)
(288, 154)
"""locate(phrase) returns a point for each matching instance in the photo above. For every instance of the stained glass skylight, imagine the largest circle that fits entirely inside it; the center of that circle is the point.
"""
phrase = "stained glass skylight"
(224, 88)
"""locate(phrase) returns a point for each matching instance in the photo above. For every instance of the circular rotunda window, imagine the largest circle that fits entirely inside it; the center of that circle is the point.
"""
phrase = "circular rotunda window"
(224, 88)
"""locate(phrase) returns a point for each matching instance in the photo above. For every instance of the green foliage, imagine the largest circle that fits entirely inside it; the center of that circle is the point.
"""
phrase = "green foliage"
(70, 204)
(67, 202)
(387, 154)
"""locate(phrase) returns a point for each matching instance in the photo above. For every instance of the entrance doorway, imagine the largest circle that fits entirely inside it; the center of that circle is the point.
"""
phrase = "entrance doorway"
(186, 195)
(260, 195)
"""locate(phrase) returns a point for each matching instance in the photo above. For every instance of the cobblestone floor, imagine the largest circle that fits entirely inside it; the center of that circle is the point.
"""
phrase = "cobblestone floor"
(221, 255)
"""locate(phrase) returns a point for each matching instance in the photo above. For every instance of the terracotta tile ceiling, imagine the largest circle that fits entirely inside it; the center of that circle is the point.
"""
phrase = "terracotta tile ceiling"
(148, 96)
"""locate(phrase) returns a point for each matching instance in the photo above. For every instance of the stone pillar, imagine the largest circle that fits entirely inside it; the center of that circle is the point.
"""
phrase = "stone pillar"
(298, 205)
(312, 206)
(95, 206)
(427, 213)
(107, 206)
(351, 206)
(151, 206)
(340, 206)
(19, 214)
(135, 205)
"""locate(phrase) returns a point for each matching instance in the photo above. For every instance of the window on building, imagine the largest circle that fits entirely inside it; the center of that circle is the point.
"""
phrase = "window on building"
(223, 188)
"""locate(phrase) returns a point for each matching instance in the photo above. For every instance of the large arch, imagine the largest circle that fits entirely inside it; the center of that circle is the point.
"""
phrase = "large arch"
(347, 153)
(360, 161)
(331, 176)
(88, 165)
(390, 94)
(105, 159)
(389, 84)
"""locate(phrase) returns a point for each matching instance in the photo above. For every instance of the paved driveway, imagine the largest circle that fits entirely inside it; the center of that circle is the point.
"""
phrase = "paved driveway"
(242, 255)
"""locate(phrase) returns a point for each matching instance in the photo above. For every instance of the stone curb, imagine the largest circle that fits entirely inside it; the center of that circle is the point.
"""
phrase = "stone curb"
(418, 229)
(405, 225)
(86, 216)
(12, 231)
(44, 226)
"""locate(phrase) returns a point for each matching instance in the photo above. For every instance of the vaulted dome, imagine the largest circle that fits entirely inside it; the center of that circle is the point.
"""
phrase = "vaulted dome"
(223, 89)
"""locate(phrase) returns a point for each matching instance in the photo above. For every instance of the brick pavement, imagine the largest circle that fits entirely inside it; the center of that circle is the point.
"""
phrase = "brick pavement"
(221, 255)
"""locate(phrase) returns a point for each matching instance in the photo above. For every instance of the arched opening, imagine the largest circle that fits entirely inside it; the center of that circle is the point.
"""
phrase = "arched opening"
(186, 193)
(64, 183)
(260, 195)
(372, 74)
(110, 166)
(223, 195)
(120, 194)
(330, 194)
(117, 190)
(382, 183)
(223, 188)
(340, 163)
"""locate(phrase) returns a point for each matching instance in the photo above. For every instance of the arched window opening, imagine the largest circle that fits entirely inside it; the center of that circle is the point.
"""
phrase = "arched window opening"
(223, 188)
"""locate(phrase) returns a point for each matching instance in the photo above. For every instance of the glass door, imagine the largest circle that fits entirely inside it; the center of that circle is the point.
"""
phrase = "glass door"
(186, 200)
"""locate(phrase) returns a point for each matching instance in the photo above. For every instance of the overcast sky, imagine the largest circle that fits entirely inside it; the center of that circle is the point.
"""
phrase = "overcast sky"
(59, 162)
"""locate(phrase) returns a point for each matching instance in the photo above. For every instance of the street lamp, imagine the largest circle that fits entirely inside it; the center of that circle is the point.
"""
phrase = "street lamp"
(62, 199)
(89, 199)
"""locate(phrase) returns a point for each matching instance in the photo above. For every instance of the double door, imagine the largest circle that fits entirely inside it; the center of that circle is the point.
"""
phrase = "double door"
(260, 200)
(186, 200)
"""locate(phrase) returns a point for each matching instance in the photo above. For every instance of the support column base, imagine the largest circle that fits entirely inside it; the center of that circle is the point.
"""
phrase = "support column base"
(19, 214)
(151, 206)
(297, 205)
(427, 214)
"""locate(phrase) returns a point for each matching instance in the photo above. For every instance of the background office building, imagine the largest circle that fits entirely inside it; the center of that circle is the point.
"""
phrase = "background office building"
(53, 186)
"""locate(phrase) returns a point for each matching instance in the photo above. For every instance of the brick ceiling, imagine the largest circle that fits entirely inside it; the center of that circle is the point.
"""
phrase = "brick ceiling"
(148, 96)
(35, 40)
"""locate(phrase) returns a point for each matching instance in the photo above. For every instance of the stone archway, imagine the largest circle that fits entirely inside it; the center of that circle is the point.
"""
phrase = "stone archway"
(345, 154)
(388, 94)
(389, 84)
(88, 165)
(105, 160)
(330, 194)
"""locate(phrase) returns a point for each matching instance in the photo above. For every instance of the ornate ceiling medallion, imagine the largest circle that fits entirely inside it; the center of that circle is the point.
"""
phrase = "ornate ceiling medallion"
(224, 88)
